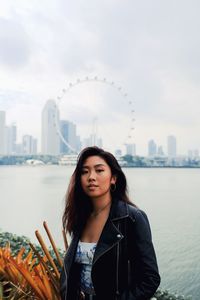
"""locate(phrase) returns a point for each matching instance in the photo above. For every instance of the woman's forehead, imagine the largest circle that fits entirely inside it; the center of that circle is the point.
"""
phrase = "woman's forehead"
(94, 160)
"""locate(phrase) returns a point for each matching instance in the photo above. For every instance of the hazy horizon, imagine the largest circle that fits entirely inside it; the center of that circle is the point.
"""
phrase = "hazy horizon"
(149, 48)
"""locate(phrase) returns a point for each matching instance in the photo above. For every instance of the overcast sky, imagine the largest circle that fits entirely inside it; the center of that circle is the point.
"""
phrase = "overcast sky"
(149, 48)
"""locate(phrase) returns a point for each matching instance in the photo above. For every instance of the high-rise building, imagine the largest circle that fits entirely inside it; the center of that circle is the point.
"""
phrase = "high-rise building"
(68, 131)
(11, 137)
(29, 144)
(50, 138)
(93, 140)
(131, 149)
(171, 146)
(193, 153)
(160, 151)
(152, 148)
(118, 152)
(2, 132)
(34, 146)
(78, 143)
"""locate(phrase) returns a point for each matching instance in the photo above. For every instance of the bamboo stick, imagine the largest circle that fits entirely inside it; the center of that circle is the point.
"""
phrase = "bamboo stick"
(40, 258)
(44, 247)
(53, 244)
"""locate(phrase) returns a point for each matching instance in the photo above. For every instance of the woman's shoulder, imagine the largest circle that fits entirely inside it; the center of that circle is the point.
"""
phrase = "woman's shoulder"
(136, 213)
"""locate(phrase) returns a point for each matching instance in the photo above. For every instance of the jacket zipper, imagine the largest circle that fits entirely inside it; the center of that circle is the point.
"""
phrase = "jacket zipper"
(117, 269)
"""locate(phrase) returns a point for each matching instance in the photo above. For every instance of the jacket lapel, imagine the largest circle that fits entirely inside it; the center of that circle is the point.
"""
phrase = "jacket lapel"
(111, 235)
(69, 257)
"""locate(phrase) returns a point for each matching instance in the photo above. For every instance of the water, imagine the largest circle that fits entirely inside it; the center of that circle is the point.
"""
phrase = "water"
(170, 197)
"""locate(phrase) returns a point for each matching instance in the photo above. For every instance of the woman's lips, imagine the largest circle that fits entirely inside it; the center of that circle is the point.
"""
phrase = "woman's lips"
(92, 186)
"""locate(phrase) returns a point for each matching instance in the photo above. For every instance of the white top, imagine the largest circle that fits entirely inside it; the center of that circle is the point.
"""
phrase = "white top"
(84, 256)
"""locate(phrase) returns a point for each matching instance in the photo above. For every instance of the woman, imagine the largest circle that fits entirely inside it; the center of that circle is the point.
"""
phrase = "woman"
(111, 255)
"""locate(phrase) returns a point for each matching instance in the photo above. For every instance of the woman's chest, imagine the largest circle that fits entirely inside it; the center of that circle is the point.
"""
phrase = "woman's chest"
(93, 229)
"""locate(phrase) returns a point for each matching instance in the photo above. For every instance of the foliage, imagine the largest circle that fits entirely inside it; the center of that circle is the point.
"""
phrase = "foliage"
(25, 274)
(166, 295)
(17, 242)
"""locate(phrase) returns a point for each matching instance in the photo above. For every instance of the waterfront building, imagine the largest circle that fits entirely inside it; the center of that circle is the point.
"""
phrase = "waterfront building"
(29, 144)
(193, 153)
(160, 151)
(11, 137)
(68, 131)
(19, 149)
(118, 152)
(34, 146)
(50, 143)
(131, 149)
(2, 132)
(92, 140)
(78, 143)
(152, 148)
(171, 146)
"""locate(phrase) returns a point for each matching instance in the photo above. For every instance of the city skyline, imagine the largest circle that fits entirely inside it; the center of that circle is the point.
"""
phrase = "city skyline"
(54, 145)
(151, 49)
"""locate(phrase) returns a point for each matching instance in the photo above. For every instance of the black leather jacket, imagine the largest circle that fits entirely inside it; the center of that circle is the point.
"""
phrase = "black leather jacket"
(124, 264)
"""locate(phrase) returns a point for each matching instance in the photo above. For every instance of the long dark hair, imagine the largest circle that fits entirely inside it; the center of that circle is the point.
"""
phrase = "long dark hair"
(77, 204)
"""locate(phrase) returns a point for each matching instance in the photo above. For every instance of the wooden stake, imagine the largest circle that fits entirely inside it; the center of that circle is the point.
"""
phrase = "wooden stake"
(44, 247)
(53, 244)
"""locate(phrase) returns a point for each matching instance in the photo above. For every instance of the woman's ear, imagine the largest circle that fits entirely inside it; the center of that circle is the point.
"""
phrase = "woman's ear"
(113, 179)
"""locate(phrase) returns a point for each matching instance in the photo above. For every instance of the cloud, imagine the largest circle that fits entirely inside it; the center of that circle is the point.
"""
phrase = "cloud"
(150, 48)
(15, 49)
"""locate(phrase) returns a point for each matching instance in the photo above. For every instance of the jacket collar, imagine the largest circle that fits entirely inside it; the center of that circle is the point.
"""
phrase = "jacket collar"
(110, 235)
(118, 210)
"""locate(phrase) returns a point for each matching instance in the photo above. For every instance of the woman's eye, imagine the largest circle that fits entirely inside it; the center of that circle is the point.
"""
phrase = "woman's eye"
(84, 172)
(99, 170)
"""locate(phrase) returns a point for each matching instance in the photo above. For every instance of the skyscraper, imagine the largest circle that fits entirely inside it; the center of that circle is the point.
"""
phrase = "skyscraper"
(11, 136)
(50, 137)
(152, 148)
(2, 132)
(131, 149)
(68, 131)
(171, 146)
(29, 144)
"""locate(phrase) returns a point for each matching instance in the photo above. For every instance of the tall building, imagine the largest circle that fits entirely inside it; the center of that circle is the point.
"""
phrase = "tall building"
(29, 145)
(131, 149)
(118, 152)
(171, 146)
(11, 137)
(78, 143)
(50, 143)
(152, 148)
(160, 151)
(2, 132)
(92, 140)
(68, 131)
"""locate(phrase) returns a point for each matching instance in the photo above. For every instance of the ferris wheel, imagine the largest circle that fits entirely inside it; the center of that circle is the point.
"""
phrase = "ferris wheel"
(127, 102)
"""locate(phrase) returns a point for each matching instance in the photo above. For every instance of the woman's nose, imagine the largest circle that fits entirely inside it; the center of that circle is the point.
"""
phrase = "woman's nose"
(91, 176)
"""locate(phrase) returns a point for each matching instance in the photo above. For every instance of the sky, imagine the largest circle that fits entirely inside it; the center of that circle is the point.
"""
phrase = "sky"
(149, 48)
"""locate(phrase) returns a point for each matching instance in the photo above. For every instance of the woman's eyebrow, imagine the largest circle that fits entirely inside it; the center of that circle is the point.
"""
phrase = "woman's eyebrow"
(97, 165)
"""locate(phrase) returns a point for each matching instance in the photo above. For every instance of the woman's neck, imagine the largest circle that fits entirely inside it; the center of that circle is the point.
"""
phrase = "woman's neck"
(101, 205)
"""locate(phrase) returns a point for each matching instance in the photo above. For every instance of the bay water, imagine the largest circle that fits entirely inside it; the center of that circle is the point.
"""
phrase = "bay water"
(170, 197)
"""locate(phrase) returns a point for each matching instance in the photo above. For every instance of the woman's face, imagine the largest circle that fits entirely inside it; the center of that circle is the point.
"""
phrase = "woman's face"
(96, 177)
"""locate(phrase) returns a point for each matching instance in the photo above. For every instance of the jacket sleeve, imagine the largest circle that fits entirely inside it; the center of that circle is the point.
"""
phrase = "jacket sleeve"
(144, 268)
